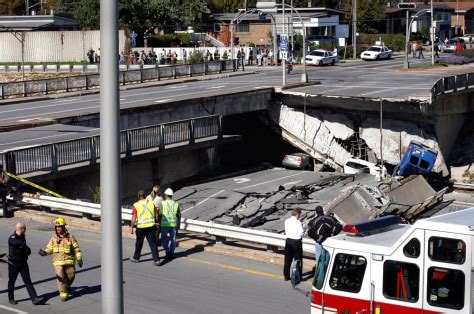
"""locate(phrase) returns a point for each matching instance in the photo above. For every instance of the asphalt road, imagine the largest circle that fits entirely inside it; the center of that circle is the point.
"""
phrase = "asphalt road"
(359, 78)
(363, 75)
(195, 282)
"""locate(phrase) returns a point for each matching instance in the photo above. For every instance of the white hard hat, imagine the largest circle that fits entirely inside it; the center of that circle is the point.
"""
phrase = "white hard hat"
(169, 192)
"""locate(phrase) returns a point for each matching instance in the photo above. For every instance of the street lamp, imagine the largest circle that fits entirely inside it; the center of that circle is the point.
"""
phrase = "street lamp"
(272, 7)
(414, 17)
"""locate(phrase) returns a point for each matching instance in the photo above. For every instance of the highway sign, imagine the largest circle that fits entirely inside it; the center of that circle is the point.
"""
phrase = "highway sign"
(283, 43)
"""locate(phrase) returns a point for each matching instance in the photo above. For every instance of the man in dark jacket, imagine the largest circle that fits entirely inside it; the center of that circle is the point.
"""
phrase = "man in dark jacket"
(18, 264)
(321, 227)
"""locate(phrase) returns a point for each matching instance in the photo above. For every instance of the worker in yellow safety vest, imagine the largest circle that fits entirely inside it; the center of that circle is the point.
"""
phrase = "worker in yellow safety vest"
(66, 252)
(144, 215)
(169, 217)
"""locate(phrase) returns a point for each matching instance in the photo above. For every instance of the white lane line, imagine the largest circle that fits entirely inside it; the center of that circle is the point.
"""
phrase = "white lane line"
(203, 201)
(269, 181)
(12, 310)
(163, 100)
(378, 91)
(43, 137)
(216, 87)
(47, 106)
(50, 113)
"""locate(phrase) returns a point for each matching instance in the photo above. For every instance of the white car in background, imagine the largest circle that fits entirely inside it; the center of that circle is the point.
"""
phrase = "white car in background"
(376, 53)
(355, 166)
(321, 57)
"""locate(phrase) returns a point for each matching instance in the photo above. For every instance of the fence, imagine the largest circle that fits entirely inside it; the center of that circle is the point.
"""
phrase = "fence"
(451, 84)
(50, 157)
(86, 82)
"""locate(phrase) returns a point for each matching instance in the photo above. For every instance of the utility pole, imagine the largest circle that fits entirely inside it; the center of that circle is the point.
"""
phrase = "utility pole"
(291, 30)
(283, 60)
(354, 29)
(432, 34)
(110, 164)
(406, 65)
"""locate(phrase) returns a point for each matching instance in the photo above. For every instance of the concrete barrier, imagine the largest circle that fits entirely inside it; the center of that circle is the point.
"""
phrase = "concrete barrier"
(3, 68)
(134, 67)
(123, 67)
(77, 68)
(92, 68)
(38, 68)
(65, 68)
(51, 68)
(27, 68)
(12, 68)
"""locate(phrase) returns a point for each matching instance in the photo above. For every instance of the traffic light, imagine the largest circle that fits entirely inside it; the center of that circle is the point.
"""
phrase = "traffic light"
(236, 41)
(407, 5)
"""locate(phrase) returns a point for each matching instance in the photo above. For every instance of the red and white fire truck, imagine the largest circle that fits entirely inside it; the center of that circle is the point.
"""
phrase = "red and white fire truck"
(382, 267)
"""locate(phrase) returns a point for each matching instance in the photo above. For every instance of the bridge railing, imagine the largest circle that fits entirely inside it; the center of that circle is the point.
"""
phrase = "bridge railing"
(89, 81)
(50, 157)
(451, 84)
(220, 231)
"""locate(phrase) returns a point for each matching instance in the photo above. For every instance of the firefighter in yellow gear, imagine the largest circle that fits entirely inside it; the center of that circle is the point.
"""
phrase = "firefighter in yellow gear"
(66, 252)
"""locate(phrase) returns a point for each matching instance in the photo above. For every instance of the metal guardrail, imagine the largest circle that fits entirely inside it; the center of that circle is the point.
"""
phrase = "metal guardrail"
(209, 228)
(86, 82)
(50, 157)
(464, 186)
(451, 84)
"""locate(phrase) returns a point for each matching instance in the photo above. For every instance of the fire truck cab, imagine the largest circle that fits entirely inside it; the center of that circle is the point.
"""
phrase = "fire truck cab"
(382, 266)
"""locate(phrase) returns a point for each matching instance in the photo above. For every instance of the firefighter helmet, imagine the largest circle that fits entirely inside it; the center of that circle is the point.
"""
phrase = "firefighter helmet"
(59, 222)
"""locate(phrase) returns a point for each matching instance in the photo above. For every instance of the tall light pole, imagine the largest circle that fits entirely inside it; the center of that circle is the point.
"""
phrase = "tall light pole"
(283, 58)
(432, 34)
(110, 183)
(354, 29)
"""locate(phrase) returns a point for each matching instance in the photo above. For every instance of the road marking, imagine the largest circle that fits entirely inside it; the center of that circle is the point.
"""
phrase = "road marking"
(378, 91)
(203, 201)
(12, 309)
(44, 137)
(163, 100)
(49, 114)
(216, 87)
(225, 266)
(241, 180)
(291, 183)
(251, 186)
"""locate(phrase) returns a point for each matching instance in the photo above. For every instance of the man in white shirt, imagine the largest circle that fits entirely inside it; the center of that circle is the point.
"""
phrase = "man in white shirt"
(293, 246)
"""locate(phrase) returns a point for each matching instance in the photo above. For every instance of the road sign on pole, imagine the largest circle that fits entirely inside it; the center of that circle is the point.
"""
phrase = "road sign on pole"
(283, 47)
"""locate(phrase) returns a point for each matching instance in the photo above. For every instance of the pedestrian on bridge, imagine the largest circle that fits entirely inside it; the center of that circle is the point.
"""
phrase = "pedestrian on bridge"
(170, 218)
(3, 191)
(294, 244)
(18, 252)
(66, 252)
(144, 214)
(155, 197)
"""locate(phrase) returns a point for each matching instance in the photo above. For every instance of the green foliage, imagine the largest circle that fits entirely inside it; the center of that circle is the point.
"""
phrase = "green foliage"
(370, 15)
(12, 7)
(87, 13)
(348, 52)
(170, 40)
(196, 57)
(193, 12)
(396, 42)
(424, 30)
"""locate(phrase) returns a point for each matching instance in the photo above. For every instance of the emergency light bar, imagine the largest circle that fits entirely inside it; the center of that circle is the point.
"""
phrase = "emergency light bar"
(365, 227)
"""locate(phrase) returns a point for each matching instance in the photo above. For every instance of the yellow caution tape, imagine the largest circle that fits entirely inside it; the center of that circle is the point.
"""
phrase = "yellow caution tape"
(34, 185)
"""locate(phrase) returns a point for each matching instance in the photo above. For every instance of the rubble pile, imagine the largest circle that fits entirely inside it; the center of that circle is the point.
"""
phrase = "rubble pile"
(351, 198)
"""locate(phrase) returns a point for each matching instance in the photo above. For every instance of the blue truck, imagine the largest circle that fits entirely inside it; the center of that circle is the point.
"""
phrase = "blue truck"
(418, 159)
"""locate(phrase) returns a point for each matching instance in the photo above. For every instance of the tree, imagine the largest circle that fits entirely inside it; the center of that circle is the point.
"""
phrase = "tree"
(370, 14)
(193, 12)
(87, 13)
(12, 7)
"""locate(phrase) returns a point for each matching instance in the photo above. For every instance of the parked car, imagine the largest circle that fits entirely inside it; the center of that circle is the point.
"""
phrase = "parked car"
(376, 53)
(451, 45)
(321, 57)
(355, 166)
(300, 161)
(320, 39)
(468, 38)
